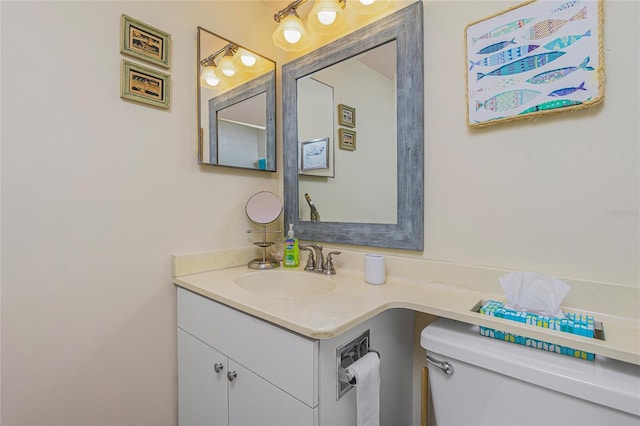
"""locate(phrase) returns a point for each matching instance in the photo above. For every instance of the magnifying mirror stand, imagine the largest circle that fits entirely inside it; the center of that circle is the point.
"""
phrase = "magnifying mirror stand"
(264, 262)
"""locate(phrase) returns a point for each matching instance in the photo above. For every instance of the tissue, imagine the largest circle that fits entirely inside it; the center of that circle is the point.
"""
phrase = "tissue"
(366, 370)
(534, 292)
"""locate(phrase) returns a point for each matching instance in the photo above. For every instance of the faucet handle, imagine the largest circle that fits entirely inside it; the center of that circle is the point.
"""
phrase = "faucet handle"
(328, 266)
(311, 260)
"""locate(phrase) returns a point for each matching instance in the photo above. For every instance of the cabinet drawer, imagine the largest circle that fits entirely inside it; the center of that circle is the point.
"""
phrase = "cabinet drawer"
(283, 358)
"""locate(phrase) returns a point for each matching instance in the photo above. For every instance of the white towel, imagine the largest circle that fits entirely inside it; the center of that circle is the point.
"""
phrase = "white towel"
(367, 373)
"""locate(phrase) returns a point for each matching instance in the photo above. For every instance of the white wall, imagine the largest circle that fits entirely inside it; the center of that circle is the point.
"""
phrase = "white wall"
(240, 145)
(97, 193)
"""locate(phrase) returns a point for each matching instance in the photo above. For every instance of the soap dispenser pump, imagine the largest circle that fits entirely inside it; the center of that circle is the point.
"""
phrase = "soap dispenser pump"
(291, 250)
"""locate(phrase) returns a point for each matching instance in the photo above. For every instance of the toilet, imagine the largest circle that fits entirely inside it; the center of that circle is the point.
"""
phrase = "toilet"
(476, 380)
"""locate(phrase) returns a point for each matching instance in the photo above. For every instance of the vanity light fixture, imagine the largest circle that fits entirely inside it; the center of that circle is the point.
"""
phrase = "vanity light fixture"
(367, 7)
(290, 34)
(209, 76)
(326, 17)
(210, 72)
(226, 63)
(247, 58)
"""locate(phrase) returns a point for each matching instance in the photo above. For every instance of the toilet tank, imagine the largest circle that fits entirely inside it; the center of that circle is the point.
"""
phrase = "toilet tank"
(500, 383)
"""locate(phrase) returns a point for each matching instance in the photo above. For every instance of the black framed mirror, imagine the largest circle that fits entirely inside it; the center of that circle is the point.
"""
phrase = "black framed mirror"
(403, 31)
(236, 103)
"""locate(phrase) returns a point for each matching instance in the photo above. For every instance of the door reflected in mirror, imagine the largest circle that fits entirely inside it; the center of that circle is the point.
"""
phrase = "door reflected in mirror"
(236, 105)
(366, 171)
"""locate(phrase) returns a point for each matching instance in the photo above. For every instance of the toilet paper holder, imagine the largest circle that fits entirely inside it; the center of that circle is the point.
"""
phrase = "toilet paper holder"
(346, 376)
(346, 355)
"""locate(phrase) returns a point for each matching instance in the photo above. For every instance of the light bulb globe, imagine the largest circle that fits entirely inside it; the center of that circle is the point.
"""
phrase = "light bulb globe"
(292, 36)
(212, 81)
(367, 7)
(226, 66)
(327, 17)
(248, 60)
(209, 76)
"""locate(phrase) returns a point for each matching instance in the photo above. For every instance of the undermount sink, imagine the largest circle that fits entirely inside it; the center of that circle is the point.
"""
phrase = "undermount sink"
(282, 283)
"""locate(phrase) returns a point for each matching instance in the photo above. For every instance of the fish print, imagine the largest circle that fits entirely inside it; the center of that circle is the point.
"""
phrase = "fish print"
(557, 74)
(546, 28)
(505, 56)
(495, 47)
(566, 41)
(558, 103)
(504, 29)
(494, 85)
(507, 100)
(567, 90)
(565, 6)
(525, 64)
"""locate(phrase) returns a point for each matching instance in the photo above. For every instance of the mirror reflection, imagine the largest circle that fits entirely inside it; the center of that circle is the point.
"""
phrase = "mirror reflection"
(395, 178)
(236, 105)
(363, 86)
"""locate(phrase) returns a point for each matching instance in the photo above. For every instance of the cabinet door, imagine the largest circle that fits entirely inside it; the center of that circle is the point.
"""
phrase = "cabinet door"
(283, 358)
(202, 392)
(254, 401)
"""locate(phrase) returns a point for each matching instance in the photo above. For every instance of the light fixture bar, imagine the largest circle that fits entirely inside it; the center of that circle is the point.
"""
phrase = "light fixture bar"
(285, 12)
(231, 47)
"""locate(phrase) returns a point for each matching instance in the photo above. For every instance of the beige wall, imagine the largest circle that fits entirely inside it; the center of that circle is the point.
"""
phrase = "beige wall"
(533, 195)
(376, 181)
(97, 193)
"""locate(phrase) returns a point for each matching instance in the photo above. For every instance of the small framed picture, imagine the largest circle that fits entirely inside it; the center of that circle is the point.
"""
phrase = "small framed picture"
(145, 85)
(144, 42)
(347, 139)
(346, 115)
(314, 154)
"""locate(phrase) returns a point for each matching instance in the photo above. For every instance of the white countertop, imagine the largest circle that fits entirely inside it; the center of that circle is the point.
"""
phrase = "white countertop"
(353, 301)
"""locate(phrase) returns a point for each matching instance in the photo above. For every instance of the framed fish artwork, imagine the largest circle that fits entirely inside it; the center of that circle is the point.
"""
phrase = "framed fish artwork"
(540, 57)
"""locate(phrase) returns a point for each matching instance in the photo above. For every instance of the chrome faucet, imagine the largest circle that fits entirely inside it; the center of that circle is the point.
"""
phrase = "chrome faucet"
(316, 262)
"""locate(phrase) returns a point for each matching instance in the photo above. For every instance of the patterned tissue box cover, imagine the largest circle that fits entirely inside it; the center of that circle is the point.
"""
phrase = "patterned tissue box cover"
(582, 325)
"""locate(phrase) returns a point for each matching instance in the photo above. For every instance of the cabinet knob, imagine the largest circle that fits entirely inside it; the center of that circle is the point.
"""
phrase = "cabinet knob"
(231, 375)
(218, 367)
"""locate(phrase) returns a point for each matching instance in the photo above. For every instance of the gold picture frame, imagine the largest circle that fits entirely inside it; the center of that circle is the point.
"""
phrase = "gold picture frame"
(145, 42)
(346, 115)
(144, 85)
(347, 139)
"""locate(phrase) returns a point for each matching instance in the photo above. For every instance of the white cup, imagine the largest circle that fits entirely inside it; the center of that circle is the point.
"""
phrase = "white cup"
(374, 271)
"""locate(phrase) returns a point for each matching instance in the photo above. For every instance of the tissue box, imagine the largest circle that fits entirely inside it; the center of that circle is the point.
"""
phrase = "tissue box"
(582, 325)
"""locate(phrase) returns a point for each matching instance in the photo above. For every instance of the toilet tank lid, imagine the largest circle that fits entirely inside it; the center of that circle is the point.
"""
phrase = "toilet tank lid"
(604, 381)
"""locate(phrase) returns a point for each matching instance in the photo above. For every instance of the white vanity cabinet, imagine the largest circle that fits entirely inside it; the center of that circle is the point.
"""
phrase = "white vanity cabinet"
(203, 395)
(234, 369)
(280, 376)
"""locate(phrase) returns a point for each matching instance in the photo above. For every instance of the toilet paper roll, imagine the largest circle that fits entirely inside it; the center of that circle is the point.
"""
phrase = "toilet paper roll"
(366, 371)
(374, 270)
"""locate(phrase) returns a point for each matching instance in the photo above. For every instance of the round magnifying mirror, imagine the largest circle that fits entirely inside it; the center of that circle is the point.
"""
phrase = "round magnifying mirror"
(264, 208)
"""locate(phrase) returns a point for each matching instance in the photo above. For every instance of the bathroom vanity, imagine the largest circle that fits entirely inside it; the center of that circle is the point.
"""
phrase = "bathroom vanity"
(280, 339)
(236, 369)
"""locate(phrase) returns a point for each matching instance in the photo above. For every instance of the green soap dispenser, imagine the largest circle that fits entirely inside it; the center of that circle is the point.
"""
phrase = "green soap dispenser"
(291, 250)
